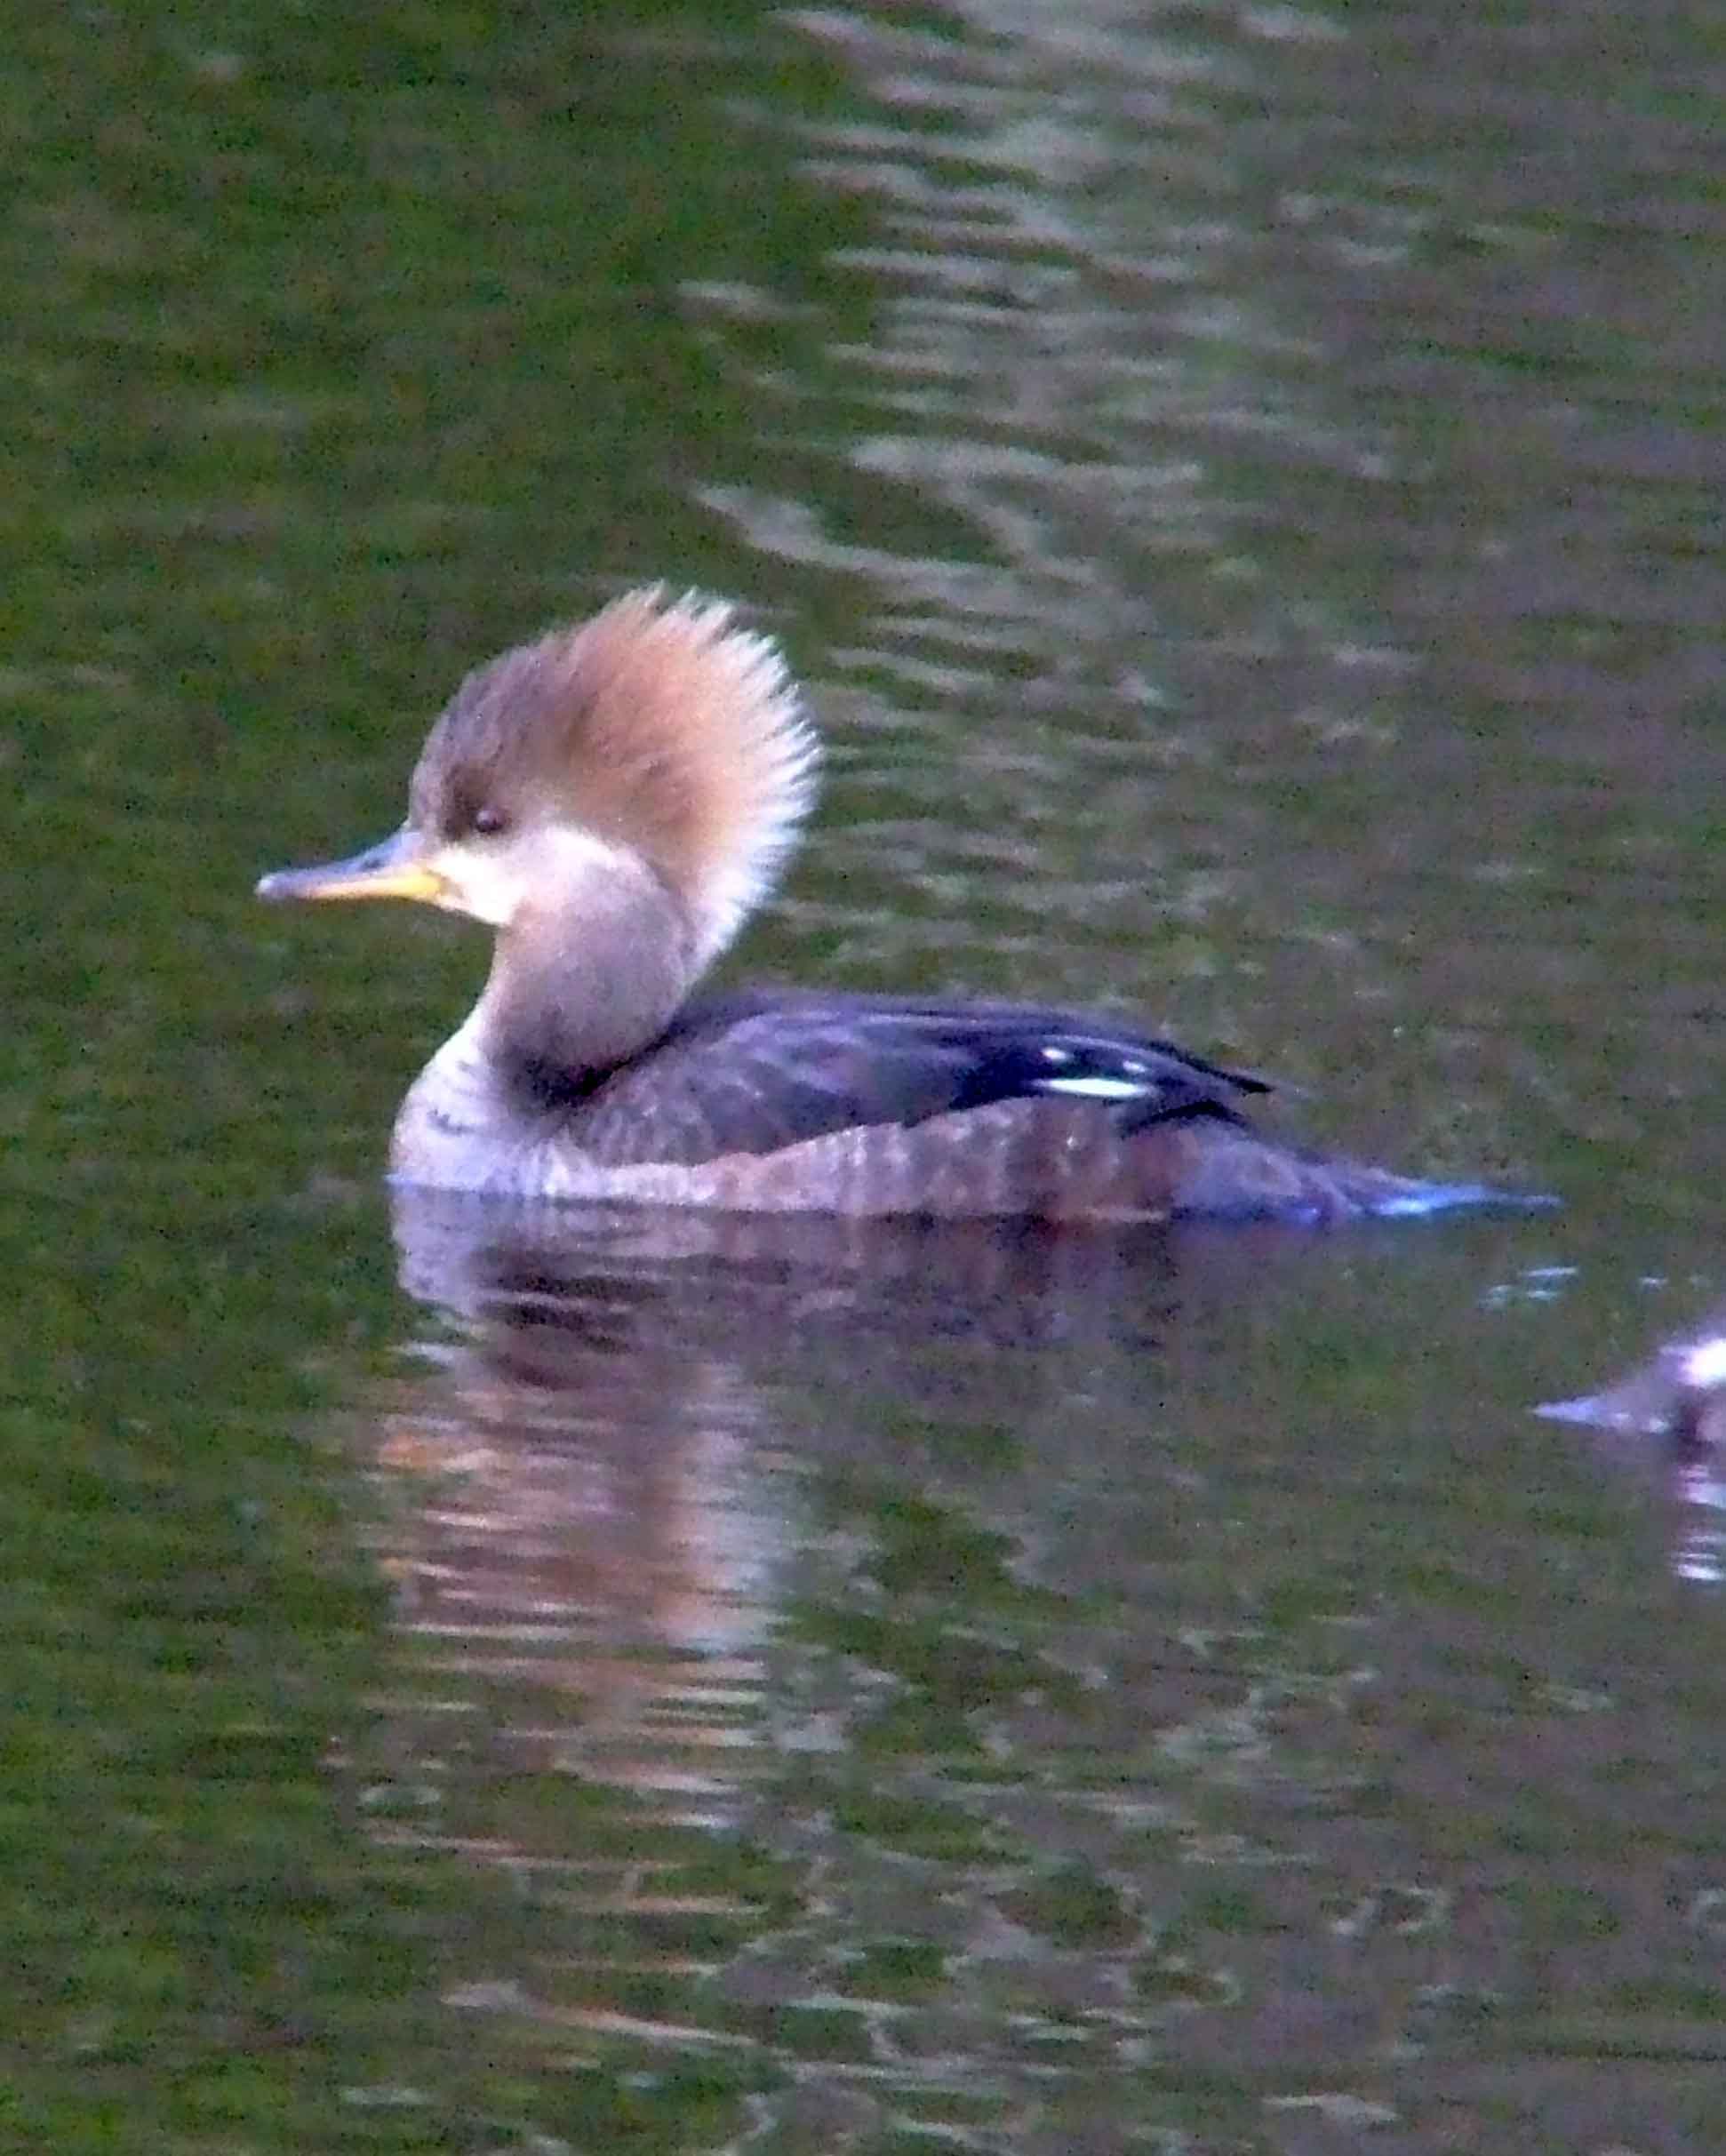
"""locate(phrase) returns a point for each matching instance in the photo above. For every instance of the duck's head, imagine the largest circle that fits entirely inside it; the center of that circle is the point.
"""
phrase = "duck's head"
(651, 766)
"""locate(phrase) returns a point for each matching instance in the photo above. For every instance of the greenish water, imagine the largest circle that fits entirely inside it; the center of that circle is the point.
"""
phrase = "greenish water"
(1243, 489)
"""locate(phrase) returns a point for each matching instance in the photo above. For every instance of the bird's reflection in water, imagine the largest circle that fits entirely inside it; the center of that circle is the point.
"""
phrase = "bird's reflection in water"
(606, 1452)
(780, 1597)
(1009, 1281)
(603, 1462)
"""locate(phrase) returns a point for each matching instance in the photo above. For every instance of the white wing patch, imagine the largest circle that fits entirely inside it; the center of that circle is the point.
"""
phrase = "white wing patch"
(1115, 1078)
(1098, 1086)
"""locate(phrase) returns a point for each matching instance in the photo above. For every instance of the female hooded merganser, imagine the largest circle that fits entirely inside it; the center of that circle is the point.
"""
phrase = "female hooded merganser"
(612, 800)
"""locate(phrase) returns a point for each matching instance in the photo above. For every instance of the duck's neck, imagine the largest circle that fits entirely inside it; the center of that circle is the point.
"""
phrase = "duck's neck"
(576, 990)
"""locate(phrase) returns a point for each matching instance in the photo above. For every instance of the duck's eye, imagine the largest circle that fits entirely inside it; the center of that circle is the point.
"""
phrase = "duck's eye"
(489, 821)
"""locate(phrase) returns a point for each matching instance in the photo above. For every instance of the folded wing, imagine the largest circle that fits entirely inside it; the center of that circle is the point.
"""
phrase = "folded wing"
(753, 1075)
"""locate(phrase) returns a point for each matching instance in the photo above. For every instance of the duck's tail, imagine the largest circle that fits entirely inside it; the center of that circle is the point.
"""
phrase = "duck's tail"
(1232, 1174)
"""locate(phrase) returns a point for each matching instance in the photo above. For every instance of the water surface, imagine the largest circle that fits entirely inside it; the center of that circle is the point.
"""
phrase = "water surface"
(1242, 487)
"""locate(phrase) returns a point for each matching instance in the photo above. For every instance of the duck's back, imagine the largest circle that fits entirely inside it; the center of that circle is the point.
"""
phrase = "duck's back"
(867, 1105)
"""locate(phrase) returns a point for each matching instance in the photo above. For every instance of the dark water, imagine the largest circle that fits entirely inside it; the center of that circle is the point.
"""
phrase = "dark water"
(1243, 486)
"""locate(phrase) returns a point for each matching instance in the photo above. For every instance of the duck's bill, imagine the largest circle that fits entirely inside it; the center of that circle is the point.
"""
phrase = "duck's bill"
(396, 869)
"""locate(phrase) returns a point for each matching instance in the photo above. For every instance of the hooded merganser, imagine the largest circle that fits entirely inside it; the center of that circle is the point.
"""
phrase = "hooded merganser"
(1679, 1395)
(613, 800)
